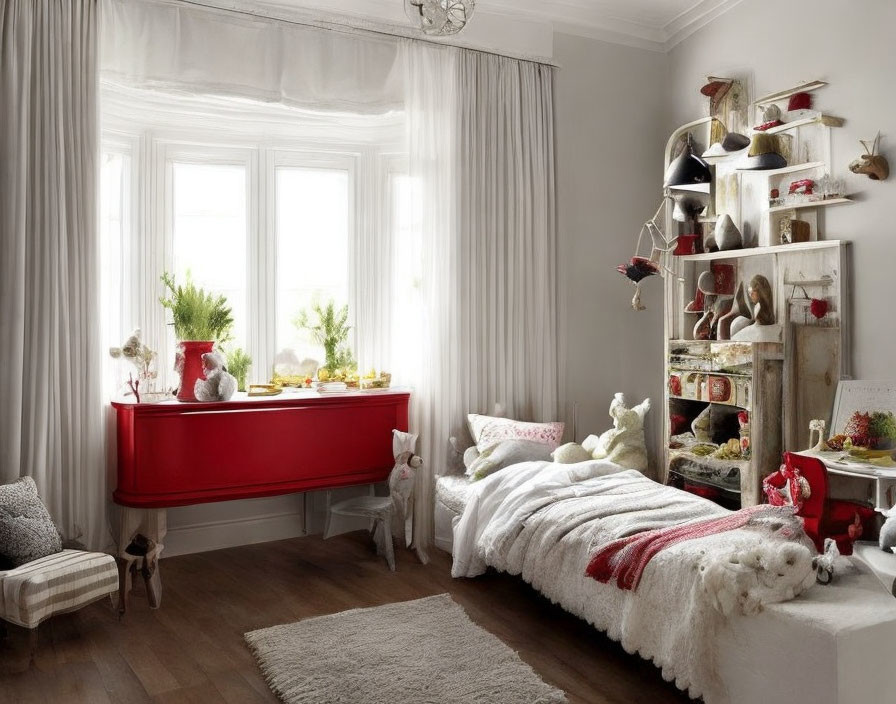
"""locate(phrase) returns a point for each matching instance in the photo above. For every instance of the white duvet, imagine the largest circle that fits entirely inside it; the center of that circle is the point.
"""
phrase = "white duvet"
(543, 521)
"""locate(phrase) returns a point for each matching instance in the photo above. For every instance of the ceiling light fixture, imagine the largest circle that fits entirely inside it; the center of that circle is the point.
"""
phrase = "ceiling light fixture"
(439, 17)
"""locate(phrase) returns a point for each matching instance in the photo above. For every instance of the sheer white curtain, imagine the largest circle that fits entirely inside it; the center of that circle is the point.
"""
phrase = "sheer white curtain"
(50, 415)
(480, 147)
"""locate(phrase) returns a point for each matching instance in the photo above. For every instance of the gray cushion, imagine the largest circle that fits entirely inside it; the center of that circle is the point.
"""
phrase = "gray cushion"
(507, 453)
(26, 530)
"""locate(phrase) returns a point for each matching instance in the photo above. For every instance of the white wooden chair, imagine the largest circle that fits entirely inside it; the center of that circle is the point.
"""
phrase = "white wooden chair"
(382, 509)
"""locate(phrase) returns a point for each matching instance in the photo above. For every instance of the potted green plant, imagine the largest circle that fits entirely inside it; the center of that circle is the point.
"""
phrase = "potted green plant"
(329, 327)
(200, 319)
(238, 363)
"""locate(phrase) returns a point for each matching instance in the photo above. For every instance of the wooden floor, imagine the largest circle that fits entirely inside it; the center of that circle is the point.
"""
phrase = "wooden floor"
(192, 649)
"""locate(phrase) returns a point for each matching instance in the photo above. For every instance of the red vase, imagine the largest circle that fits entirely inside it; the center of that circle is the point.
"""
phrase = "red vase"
(188, 364)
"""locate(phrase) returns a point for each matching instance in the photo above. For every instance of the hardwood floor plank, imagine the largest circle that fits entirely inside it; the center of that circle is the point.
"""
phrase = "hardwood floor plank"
(193, 650)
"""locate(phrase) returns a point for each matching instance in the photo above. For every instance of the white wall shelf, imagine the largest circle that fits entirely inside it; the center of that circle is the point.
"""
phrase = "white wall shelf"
(810, 204)
(808, 166)
(784, 94)
(760, 251)
(826, 120)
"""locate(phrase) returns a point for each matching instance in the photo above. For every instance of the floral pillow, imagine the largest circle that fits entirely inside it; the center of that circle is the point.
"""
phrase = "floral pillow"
(26, 530)
(488, 430)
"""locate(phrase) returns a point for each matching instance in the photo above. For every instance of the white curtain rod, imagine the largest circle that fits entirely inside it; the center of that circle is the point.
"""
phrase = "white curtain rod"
(303, 17)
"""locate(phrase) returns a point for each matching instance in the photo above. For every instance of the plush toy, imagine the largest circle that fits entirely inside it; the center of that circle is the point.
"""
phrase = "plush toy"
(624, 442)
(773, 571)
(571, 453)
(218, 385)
(401, 482)
(887, 538)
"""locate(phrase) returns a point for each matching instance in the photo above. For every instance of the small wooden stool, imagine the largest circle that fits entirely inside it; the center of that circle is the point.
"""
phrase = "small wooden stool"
(379, 510)
(128, 565)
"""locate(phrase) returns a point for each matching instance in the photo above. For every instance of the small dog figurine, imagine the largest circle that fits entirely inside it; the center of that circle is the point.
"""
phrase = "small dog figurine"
(401, 482)
(218, 384)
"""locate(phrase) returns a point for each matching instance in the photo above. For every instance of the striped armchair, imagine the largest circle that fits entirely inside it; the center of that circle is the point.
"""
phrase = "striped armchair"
(64, 581)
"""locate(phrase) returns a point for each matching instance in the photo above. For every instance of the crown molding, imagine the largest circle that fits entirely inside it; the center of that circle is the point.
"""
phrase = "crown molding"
(588, 20)
(691, 20)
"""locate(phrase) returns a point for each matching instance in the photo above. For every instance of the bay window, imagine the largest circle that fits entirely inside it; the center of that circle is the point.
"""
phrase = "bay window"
(263, 207)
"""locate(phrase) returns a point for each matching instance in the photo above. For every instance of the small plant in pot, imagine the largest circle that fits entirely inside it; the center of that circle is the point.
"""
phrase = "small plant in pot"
(200, 319)
(238, 363)
(329, 327)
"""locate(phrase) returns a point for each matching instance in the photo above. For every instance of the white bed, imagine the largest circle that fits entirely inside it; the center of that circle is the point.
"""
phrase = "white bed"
(830, 645)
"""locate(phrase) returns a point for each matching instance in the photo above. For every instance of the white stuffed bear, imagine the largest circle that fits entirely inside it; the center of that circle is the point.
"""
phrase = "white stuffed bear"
(218, 385)
(624, 443)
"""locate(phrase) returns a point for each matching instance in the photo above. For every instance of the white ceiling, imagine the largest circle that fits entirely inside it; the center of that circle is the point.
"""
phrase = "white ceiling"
(655, 24)
(650, 24)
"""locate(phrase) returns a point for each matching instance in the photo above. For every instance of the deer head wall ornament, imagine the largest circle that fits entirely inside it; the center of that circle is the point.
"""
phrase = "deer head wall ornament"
(871, 163)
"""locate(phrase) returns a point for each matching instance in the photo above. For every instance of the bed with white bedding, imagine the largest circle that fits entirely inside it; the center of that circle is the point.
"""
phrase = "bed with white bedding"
(544, 521)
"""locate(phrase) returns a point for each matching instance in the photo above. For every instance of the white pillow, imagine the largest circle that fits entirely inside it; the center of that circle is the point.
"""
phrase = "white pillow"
(570, 453)
(488, 430)
(505, 454)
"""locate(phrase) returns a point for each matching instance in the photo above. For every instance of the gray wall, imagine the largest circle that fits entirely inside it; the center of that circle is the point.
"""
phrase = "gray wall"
(610, 134)
(850, 45)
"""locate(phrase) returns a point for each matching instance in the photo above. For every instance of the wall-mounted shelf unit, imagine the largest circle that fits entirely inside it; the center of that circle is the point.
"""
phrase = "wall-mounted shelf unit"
(782, 384)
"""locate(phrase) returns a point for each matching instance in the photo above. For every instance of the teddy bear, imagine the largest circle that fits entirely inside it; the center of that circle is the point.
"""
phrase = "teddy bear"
(624, 443)
(218, 384)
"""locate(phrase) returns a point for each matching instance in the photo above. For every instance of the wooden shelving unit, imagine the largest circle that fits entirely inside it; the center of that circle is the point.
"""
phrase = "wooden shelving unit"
(786, 383)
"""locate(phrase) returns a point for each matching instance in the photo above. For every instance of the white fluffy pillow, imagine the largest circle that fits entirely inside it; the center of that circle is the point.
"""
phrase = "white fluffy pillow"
(489, 430)
(506, 453)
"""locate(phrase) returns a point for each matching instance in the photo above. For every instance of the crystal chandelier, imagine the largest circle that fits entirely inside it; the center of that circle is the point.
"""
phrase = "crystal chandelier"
(439, 17)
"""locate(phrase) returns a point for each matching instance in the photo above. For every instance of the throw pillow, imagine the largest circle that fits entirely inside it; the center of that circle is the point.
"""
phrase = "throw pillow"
(507, 453)
(488, 430)
(571, 453)
(26, 530)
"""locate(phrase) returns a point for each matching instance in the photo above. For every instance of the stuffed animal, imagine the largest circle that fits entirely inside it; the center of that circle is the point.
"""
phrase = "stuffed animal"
(624, 442)
(571, 453)
(401, 482)
(218, 385)
(887, 538)
(773, 571)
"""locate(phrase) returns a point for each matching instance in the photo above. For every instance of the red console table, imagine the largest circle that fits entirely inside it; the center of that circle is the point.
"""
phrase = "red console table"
(176, 454)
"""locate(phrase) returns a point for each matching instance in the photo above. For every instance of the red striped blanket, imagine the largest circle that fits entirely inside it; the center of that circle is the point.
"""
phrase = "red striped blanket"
(625, 559)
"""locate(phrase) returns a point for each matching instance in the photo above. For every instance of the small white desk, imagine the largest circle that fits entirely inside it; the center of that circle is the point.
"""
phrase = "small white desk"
(883, 478)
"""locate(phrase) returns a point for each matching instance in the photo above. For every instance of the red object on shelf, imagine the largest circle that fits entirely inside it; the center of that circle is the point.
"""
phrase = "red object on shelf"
(688, 244)
(706, 492)
(719, 389)
(188, 364)
(724, 278)
(176, 454)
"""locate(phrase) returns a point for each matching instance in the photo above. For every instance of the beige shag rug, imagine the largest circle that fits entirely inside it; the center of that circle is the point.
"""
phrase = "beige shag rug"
(426, 651)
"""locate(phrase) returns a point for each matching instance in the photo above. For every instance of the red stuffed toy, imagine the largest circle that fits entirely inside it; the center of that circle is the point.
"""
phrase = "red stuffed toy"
(803, 482)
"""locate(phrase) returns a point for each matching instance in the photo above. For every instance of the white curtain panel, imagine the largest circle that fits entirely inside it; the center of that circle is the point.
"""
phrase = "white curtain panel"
(50, 415)
(480, 145)
(427, 359)
(169, 45)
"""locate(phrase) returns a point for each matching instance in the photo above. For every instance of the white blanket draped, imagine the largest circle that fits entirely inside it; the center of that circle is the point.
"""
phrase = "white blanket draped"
(543, 521)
